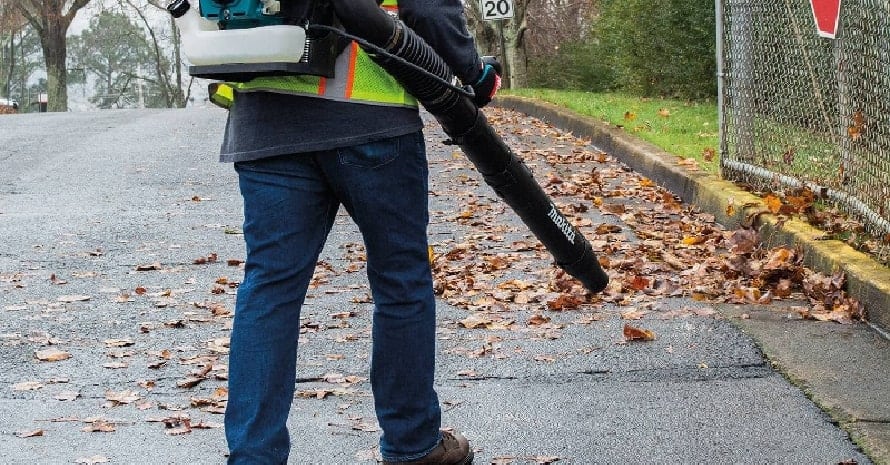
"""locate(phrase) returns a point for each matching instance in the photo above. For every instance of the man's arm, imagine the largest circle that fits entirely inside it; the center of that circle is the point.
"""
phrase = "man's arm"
(443, 25)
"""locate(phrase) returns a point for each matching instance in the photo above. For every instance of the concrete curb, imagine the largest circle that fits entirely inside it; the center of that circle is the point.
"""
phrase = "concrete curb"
(867, 280)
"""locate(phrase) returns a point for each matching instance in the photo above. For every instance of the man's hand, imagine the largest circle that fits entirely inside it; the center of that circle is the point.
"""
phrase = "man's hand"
(488, 83)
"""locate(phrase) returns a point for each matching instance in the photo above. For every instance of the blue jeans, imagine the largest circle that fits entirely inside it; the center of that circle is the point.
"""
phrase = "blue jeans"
(290, 203)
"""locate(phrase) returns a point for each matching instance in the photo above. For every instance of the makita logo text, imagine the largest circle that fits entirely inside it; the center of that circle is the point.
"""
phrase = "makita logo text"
(561, 223)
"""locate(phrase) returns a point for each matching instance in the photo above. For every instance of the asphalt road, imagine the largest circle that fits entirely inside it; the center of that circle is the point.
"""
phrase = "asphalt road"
(121, 251)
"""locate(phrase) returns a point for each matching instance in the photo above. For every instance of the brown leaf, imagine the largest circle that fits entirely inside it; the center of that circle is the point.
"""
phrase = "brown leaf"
(615, 208)
(606, 228)
(27, 386)
(66, 395)
(730, 207)
(177, 426)
(51, 355)
(29, 434)
(708, 153)
(212, 258)
(638, 283)
(632, 333)
(118, 342)
(122, 397)
(99, 426)
(564, 302)
(773, 203)
(694, 240)
(92, 460)
(149, 267)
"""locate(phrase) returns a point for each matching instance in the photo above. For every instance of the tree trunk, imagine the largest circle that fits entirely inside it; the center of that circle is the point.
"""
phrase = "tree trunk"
(55, 54)
(51, 23)
(508, 38)
(8, 84)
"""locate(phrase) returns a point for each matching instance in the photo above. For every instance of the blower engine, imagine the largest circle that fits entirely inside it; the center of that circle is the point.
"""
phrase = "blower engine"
(236, 40)
(253, 37)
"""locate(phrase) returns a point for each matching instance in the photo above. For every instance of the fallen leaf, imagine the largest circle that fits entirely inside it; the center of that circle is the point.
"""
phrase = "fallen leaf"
(73, 298)
(148, 267)
(123, 397)
(51, 355)
(66, 395)
(92, 460)
(708, 153)
(27, 386)
(118, 342)
(99, 426)
(632, 333)
(773, 203)
(29, 434)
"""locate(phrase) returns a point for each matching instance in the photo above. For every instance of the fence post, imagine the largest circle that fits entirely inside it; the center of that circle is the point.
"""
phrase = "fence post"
(718, 48)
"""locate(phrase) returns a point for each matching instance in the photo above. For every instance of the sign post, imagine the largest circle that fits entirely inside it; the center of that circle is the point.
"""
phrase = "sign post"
(499, 11)
(826, 14)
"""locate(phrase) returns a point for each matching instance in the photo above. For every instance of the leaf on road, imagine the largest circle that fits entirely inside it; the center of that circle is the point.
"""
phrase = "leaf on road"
(118, 342)
(66, 395)
(632, 333)
(27, 386)
(92, 460)
(99, 426)
(29, 434)
(51, 355)
(149, 267)
(212, 258)
(177, 426)
(73, 298)
(323, 393)
(123, 397)
(565, 302)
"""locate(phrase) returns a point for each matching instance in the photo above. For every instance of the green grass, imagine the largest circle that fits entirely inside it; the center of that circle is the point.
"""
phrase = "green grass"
(686, 129)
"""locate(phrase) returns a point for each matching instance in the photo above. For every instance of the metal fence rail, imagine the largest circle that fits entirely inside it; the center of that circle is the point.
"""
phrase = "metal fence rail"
(799, 110)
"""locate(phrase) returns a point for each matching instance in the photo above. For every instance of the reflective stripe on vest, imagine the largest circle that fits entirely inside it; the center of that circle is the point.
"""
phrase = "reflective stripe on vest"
(357, 79)
(221, 94)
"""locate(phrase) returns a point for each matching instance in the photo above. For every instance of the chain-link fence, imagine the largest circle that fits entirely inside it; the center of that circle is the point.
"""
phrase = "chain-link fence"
(801, 112)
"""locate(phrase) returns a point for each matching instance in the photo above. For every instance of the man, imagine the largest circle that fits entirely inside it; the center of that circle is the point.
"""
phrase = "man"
(302, 147)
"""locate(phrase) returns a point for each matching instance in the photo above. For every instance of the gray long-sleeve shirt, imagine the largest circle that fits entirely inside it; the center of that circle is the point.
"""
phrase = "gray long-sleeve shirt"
(264, 124)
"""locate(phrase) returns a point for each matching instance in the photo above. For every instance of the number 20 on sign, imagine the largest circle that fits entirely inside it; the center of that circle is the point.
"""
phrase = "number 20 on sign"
(497, 9)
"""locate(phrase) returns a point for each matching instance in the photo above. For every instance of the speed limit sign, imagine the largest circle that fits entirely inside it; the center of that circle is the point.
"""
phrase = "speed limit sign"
(497, 9)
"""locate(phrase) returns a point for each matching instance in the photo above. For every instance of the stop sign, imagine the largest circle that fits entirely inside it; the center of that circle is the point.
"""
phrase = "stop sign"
(826, 14)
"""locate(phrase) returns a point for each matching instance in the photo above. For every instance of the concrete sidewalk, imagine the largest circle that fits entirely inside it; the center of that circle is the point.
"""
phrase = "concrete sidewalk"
(846, 370)
(122, 250)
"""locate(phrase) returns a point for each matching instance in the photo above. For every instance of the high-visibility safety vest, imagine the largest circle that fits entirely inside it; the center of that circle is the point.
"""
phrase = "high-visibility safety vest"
(357, 79)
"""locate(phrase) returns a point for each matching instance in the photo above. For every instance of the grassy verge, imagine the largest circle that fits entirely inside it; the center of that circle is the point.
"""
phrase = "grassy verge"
(686, 129)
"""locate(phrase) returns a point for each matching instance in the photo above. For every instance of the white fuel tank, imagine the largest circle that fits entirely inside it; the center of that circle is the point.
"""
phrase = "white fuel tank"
(203, 43)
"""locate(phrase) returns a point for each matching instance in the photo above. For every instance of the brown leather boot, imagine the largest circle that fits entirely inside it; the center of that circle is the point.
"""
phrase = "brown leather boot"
(453, 449)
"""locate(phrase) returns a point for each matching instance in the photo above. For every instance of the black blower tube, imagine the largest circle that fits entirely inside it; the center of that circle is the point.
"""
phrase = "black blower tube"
(468, 127)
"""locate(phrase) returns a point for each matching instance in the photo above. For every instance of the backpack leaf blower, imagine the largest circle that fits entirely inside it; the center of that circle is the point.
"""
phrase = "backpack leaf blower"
(421, 71)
